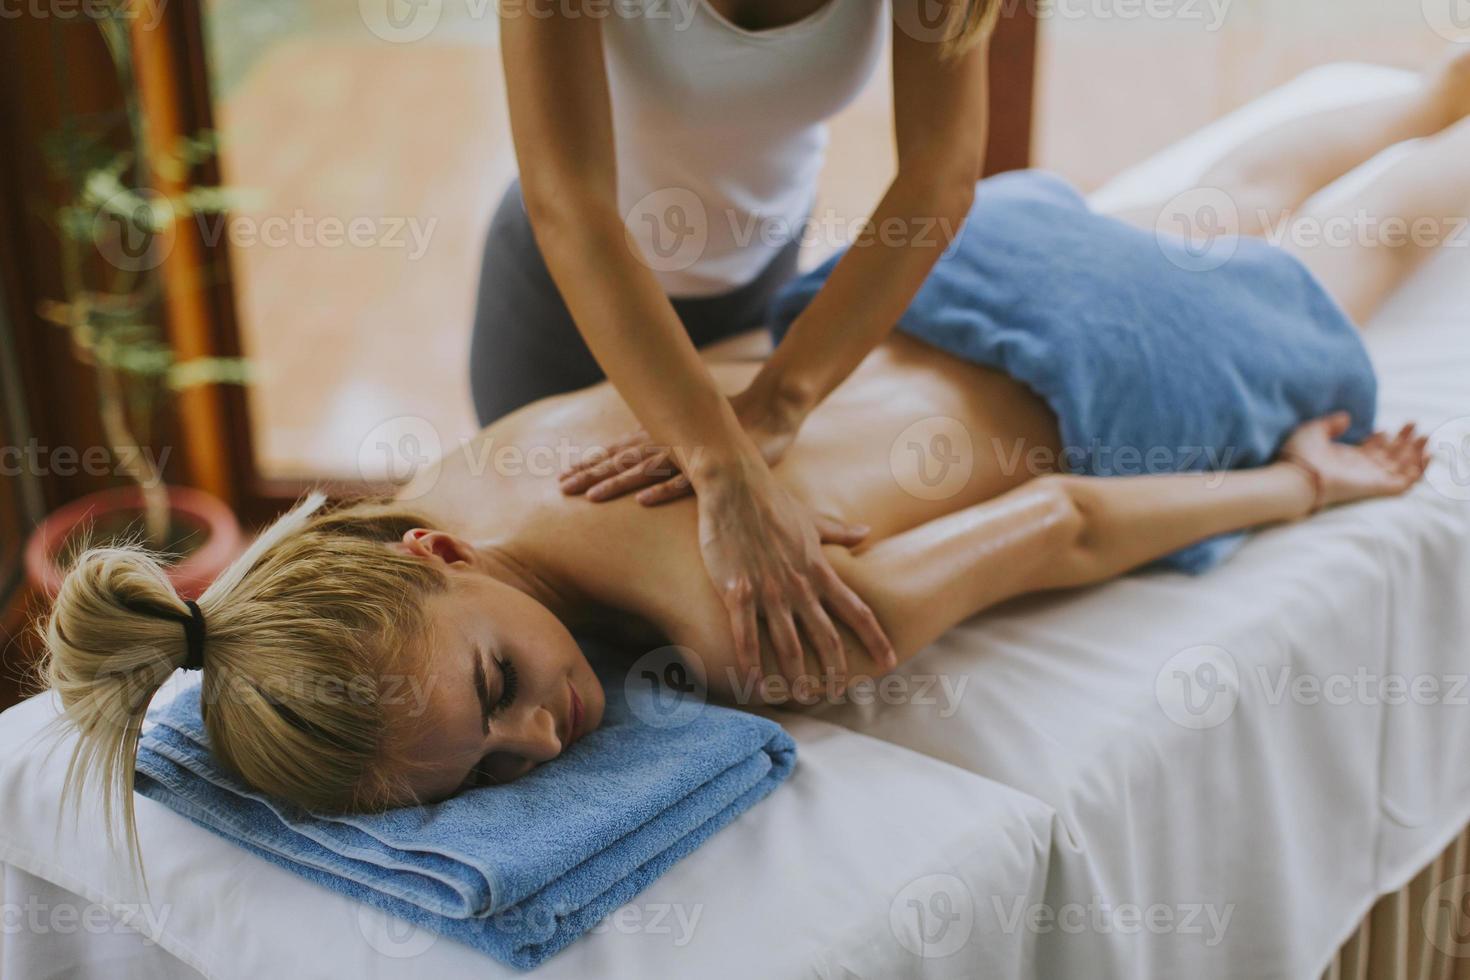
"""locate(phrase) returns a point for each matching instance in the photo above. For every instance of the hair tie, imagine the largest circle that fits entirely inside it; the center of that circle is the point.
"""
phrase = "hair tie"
(194, 634)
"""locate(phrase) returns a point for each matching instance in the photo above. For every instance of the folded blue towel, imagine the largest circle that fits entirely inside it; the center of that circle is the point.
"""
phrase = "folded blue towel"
(517, 871)
(1151, 362)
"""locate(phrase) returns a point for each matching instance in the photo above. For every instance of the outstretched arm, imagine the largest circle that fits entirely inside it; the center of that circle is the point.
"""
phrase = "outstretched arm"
(1061, 531)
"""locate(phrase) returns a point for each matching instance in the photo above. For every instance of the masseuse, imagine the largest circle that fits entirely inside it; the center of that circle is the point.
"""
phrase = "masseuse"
(669, 152)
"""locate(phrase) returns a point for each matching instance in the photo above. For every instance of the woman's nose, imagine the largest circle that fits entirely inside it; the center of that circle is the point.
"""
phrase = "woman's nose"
(533, 736)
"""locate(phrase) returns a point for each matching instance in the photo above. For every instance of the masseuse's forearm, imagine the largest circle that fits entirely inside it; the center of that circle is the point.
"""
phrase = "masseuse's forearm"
(633, 331)
(872, 284)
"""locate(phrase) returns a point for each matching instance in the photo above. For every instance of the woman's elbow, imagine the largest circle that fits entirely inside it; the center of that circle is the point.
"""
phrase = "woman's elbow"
(947, 181)
(1064, 545)
(563, 212)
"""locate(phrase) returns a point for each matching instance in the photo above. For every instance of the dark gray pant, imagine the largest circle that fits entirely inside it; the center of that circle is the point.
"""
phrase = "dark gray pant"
(526, 346)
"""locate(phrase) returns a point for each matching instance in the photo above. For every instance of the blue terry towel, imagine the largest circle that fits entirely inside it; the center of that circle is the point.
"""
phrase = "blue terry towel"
(1153, 361)
(517, 871)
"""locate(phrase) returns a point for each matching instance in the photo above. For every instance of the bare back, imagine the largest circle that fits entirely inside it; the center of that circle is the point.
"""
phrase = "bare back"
(889, 448)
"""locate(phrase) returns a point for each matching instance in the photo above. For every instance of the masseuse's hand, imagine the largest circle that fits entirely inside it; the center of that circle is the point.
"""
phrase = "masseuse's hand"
(763, 551)
(636, 463)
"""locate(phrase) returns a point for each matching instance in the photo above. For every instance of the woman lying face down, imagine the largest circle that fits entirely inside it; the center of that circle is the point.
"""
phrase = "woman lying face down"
(362, 658)
(386, 654)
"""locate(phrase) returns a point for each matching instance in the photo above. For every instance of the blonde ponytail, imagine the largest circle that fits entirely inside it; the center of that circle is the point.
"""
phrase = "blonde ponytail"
(300, 632)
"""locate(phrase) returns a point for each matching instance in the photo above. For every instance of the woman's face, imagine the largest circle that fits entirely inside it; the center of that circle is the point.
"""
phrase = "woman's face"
(507, 687)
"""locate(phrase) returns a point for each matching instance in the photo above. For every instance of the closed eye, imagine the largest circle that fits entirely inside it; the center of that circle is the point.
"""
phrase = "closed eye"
(493, 704)
(509, 685)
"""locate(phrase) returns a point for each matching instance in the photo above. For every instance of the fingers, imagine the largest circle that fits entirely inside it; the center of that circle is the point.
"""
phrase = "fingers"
(597, 466)
(824, 637)
(833, 531)
(1414, 458)
(595, 456)
(1338, 423)
(859, 618)
(740, 604)
(653, 469)
(785, 640)
(1404, 457)
(668, 490)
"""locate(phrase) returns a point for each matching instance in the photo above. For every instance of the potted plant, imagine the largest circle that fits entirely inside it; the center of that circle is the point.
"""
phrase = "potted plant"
(114, 232)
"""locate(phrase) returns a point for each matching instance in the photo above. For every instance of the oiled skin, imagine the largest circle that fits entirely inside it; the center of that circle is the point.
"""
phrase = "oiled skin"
(639, 569)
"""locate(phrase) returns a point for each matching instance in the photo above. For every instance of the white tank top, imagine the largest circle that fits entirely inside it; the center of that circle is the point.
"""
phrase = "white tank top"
(720, 131)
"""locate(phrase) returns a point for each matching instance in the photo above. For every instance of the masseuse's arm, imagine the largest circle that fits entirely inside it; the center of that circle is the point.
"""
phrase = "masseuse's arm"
(1063, 531)
(760, 546)
(940, 103)
(940, 109)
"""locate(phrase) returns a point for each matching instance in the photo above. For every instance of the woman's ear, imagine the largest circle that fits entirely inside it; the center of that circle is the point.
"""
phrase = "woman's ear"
(438, 545)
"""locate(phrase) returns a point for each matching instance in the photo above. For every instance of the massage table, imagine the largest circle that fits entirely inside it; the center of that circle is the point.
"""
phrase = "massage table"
(1130, 781)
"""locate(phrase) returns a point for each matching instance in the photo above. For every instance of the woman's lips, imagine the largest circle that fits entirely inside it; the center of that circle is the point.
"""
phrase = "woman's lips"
(575, 730)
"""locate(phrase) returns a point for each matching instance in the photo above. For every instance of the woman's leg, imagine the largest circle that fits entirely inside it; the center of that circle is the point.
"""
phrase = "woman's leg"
(1276, 172)
(525, 344)
(1272, 174)
(1362, 248)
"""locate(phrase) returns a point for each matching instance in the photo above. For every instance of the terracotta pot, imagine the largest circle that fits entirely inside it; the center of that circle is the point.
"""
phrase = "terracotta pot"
(191, 508)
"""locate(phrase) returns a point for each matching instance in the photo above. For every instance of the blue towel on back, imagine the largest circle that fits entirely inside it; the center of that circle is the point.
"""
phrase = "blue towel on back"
(1155, 358)
(517, 871)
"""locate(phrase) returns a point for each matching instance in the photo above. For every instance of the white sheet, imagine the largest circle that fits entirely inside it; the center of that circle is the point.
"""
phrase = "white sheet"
(1119, 825)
